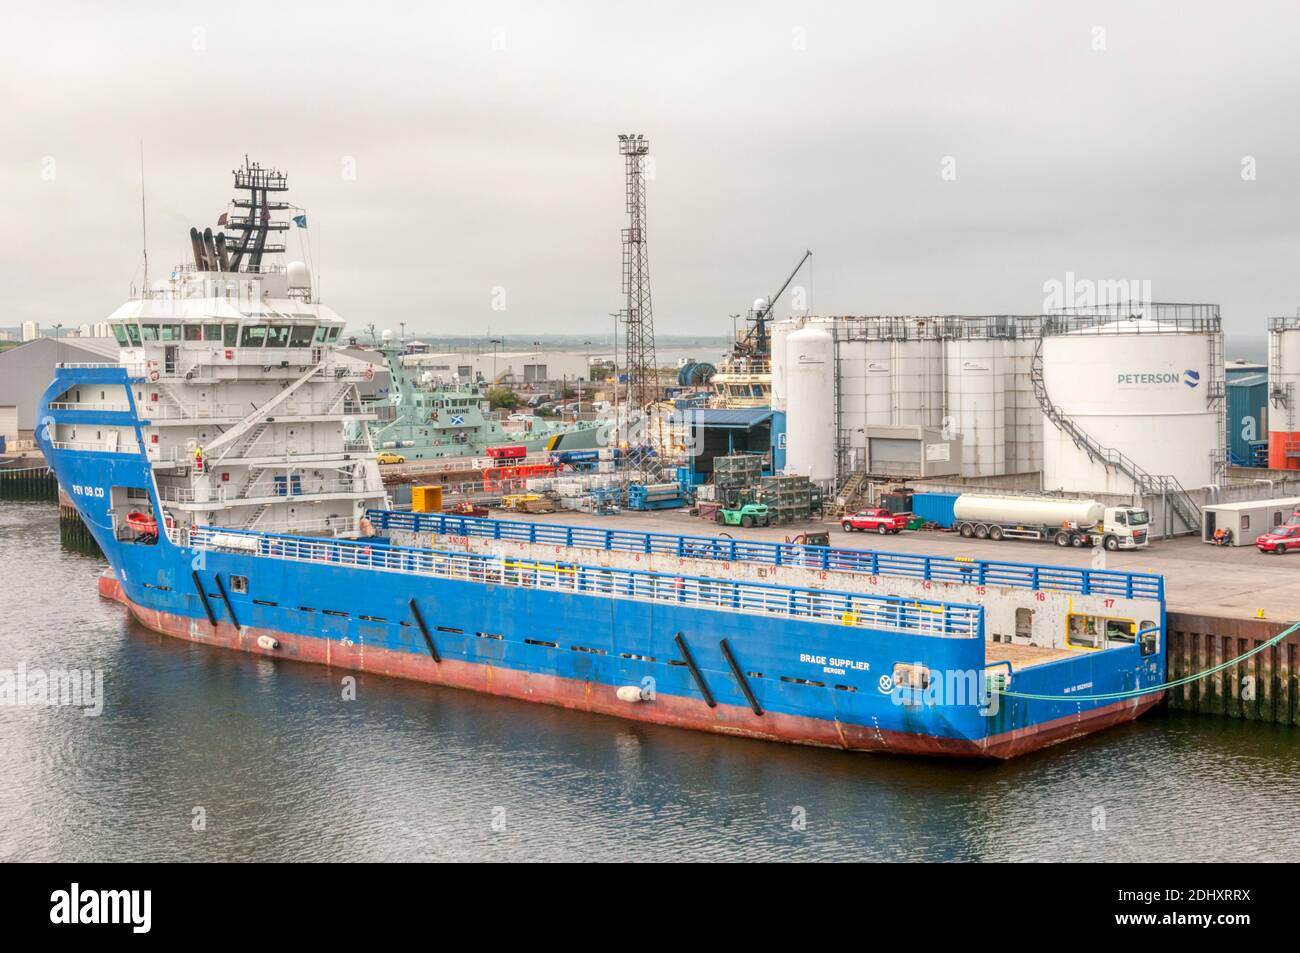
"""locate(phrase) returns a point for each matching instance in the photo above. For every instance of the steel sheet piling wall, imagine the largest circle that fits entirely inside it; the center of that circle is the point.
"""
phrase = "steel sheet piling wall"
(1263, 688)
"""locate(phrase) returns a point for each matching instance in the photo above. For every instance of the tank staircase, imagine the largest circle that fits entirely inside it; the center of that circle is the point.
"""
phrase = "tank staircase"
(1281, 396)
(1147, 484)
(847, 498)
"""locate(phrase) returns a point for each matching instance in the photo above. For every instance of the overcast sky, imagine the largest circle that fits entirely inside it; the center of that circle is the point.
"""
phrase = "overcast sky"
(1104, 139)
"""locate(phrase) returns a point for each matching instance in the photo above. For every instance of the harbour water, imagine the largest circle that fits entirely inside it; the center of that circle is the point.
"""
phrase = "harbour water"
(271, 762)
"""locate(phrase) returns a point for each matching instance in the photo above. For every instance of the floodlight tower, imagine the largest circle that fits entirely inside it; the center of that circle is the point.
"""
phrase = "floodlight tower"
(638, 317)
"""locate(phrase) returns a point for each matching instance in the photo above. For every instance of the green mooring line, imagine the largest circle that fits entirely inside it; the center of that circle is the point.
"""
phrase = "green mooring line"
(1115, 696)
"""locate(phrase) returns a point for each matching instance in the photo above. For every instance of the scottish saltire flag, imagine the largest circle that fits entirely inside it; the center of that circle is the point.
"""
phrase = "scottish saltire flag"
(300, 221)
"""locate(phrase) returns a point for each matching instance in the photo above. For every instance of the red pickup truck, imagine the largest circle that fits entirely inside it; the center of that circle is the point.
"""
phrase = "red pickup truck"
(1281, 540)
(882, 521)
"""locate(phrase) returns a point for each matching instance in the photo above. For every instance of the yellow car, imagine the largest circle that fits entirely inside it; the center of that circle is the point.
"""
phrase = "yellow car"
(387, 456)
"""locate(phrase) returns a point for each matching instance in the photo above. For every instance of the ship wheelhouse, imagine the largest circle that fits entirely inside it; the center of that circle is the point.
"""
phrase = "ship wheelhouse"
(245, 410)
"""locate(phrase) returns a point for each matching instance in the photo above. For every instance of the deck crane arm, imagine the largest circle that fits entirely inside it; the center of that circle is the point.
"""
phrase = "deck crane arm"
(761, 345)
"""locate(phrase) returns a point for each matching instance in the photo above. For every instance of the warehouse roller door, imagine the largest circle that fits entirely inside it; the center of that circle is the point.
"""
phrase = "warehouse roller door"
(894, 455)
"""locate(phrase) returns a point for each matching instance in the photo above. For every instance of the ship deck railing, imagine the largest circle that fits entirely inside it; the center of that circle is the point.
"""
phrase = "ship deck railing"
(950, 569)
(155, 410)
(264, 489)
(326, 527)
(100, 405)
(855, 610)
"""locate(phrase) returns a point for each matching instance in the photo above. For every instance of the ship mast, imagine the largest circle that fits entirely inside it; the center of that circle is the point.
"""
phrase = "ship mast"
(256, 224)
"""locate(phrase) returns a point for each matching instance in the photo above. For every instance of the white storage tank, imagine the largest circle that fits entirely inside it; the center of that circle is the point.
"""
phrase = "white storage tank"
(1284, 393)
(976, 385)
(918, 375)
(810, 403)
(780, 330)
(1024, 430)
(1138, 386)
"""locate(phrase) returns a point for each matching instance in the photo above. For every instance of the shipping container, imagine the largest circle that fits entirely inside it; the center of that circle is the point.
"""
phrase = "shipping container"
(935, 507)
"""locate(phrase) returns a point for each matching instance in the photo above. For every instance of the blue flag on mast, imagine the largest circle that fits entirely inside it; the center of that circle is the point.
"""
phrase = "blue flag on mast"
(300, 221)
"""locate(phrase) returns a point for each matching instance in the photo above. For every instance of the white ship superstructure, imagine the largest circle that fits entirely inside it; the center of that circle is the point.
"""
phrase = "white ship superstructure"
(241, 395)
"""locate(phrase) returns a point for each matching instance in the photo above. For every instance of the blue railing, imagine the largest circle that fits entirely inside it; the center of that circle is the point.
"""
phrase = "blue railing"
(854, 609)
(822, 558)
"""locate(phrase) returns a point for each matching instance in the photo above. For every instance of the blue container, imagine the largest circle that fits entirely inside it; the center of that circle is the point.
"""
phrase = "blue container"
(1247, 417)
(935, 507)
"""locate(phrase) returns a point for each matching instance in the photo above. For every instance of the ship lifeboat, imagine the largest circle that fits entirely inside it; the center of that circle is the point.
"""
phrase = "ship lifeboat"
(142, 523)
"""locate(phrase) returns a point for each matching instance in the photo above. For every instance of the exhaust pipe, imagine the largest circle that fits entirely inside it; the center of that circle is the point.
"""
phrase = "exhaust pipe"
(223, 257)
(196, 244)
(210, 249)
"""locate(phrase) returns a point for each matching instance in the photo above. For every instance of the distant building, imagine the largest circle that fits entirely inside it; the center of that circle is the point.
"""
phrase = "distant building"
(26, 370)
(517, 369)
(31, 330)
(1238, 368)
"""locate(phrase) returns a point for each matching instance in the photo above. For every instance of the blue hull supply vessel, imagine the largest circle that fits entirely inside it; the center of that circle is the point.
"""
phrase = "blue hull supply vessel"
(214, 467)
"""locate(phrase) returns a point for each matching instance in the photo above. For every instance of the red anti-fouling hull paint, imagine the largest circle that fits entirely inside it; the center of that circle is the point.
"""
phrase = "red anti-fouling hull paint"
(672, 710)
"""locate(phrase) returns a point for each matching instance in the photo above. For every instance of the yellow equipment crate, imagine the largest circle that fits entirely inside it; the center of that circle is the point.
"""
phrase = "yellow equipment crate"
(426, 499)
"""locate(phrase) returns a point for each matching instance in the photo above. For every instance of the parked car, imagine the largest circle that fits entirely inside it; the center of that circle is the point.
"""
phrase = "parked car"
(387, 456)
(1281, 540)
(879, 520)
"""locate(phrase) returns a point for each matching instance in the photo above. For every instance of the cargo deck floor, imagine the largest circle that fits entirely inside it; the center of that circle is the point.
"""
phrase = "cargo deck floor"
(1021, 656)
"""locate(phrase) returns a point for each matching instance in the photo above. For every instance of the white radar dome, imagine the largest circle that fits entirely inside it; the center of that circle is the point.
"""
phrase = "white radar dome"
(299, 275)
(386, 336)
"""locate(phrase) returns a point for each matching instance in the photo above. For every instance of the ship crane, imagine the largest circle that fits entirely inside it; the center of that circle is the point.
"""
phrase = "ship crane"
(756, 342)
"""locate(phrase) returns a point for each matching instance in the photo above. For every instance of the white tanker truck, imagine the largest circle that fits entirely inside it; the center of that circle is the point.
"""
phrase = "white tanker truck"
(1064, 522)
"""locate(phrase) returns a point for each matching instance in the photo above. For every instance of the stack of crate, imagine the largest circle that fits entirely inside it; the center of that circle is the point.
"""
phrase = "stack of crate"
(738, 470)
(788, 498)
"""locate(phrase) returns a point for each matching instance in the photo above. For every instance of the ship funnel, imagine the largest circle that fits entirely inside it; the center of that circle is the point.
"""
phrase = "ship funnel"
(223, 257)
(196, 244)
(210, 251)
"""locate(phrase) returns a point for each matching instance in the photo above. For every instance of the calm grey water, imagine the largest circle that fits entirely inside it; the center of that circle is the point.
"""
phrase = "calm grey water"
(286, 770)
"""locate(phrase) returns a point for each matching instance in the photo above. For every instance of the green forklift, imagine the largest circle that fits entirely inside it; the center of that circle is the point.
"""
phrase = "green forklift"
(739, 509)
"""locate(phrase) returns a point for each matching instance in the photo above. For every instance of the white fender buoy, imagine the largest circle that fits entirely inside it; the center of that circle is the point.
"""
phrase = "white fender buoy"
(266, 642)
(630, 693)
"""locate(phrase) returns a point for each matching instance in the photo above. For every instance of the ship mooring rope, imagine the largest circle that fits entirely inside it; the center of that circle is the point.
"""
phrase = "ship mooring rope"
(1134, 693)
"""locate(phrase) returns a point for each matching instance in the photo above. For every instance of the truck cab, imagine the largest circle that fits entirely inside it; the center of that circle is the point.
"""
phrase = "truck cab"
(1124, 527)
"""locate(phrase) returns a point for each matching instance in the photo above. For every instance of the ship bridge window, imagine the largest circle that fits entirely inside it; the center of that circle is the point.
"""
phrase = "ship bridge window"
(149, 332)
(301, 336)
(169, 332)
(319, 337)
(212, 332)
(133, 334)
(254, 335)
(277, 335)
(194, 332)
(119, 332)
(230, 334)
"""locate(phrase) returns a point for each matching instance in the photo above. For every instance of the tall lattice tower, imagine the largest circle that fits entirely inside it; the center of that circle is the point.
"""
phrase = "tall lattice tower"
(638, 316)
